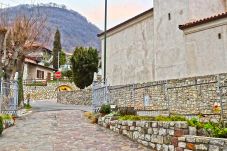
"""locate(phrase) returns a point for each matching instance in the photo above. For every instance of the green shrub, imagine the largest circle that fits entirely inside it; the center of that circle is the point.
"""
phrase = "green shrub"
(1, 125)
(135, 118)
(105, 109)
(127, 111)
(194, 122)
(170, 118)
(27, 106)
(6, 117)
(215, 130)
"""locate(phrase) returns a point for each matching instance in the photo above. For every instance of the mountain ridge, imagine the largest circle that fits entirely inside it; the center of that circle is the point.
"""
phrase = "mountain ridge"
(75, 29)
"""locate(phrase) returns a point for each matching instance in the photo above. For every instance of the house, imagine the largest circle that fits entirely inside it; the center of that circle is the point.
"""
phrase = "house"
(174, 39)
(37, 65)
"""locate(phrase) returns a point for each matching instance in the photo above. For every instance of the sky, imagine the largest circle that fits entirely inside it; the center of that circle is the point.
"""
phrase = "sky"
(93, 10)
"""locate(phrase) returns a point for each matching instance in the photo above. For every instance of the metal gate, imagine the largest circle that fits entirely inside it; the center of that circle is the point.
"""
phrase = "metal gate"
(8, 97)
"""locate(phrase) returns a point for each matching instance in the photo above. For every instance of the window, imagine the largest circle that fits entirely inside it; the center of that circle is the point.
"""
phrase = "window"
(169, 16)
(40, 74)
(219, 36)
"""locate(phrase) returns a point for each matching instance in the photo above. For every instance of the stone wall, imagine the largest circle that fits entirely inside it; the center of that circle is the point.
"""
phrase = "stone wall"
(164, 136)
(45, 92)
(78, 97)
(160, 136)
(201, 143)
(193, 96)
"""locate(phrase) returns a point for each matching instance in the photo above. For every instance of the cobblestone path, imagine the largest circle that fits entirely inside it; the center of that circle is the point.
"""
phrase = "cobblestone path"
(62, 131)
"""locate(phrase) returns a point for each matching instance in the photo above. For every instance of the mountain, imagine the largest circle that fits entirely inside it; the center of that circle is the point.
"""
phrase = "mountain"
(75, 29)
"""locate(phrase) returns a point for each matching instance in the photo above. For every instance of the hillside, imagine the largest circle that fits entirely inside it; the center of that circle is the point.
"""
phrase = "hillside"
(75, 29)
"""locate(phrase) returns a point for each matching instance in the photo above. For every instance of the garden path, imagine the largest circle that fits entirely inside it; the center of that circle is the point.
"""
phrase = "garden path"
(62, 130)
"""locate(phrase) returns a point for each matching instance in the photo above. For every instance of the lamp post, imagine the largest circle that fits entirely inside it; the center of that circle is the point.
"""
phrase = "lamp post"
(105, 36)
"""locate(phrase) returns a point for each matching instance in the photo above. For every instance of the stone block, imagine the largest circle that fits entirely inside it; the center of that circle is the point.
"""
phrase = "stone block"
(170, 132)
(217, 141)
(125, 132)
(160, 124)
(152, 145)
(132, 128)
(159, 147)
(181, 139)
(181, 125)
(167, 140)
(214, 148)
(190, 146)
(124, 123)
(157, 139)
(141, 136)
(145, 143)
(172, 124)
(155, 131)
(182, 144)
(162, 131)
(166, 125)
(201, 147)
(174, 141)
(147, 137)
(150, 131)
(180, 132)
(203, 140)
(190, 139)
(179, 149)
(192, 130)
(136, 135)
(148, 124)
(130, 134)
(131, 123)
(171, 148)
(154, 124)
(165, 147)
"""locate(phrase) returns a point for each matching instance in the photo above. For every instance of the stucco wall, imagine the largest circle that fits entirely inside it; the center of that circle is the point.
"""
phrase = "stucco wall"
(130, 55)
(155, 48)
(205, 52)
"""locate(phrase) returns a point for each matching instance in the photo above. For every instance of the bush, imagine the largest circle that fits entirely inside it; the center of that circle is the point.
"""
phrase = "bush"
(1, 125)
(126, 111)
(215, 130)
(194, 122)
(105, 109)
(27, 106)
(170, 118)
(135, 118)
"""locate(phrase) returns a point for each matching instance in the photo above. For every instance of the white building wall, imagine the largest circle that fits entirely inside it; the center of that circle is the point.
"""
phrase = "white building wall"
(206, 53)
(130, 57)
(169, 43)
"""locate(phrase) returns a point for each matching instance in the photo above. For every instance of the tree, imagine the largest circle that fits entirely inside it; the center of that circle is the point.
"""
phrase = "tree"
(62, 58)
(84, 64)
(16, 40)
(56, 48)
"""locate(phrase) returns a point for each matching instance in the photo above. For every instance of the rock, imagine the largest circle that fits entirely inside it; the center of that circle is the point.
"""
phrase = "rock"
(192, 131)
(213, 148)
(201, 147)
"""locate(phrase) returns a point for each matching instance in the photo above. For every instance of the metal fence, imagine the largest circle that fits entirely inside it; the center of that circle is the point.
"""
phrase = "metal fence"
(189, 96)
(8, 97)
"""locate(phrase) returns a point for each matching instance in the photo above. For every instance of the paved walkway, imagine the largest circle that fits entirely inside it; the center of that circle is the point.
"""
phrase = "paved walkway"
(63, 130)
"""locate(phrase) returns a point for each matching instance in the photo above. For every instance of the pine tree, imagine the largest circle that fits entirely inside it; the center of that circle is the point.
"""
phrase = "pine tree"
(56, 48)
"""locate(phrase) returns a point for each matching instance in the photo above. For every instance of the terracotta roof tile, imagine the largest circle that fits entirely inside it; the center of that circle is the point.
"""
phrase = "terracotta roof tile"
(202, 21)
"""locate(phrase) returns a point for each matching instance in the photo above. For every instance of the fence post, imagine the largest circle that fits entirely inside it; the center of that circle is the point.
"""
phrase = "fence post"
(219, 93)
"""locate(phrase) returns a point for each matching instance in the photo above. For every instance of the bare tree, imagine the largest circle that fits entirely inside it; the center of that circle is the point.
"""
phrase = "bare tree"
(16, 41)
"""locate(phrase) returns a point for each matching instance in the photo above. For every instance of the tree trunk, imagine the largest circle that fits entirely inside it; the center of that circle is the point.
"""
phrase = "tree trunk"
(20, 70)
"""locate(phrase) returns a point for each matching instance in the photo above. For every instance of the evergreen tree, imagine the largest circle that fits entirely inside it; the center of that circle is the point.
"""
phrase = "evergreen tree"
(56, 48)
(84, 63)
(62, 58)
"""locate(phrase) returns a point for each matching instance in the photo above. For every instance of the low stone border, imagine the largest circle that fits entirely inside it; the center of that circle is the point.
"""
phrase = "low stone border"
(187, 143)
(164, 136)
(156, 135)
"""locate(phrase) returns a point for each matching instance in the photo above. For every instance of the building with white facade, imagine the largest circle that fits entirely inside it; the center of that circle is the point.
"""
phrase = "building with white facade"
(174, 39)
